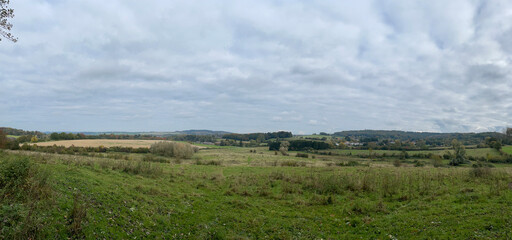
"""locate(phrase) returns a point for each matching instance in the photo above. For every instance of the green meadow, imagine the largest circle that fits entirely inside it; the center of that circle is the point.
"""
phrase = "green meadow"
(248, 193)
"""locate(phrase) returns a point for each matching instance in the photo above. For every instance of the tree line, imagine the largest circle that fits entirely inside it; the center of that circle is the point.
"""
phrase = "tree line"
(298, 145)
(428, 138)
(257, 136)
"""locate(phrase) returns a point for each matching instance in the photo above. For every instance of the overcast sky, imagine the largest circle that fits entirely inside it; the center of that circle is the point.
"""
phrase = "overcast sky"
(251, 66)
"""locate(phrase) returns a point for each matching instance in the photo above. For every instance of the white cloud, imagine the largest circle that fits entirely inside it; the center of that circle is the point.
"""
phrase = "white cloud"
(258, 65)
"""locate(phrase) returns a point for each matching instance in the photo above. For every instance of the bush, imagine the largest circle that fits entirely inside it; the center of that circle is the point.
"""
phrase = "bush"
(14, 172)
(291, 163)
(211, 162)
(397, 163)
(302, 155)
(419, 164)
(350, 163)
(437, 161)
(480, 172)
(172, 149)
(24, 196)
(482, 164)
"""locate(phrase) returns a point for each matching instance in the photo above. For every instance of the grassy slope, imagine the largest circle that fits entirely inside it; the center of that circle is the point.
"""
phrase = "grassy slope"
(507, 149)
(247, 197)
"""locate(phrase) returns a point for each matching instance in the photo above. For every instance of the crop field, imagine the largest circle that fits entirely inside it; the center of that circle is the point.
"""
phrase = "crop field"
(249, 193)
(100, 142)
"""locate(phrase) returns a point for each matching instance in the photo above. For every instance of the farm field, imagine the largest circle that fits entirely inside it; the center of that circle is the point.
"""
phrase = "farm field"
(100, 142)
(252, 193)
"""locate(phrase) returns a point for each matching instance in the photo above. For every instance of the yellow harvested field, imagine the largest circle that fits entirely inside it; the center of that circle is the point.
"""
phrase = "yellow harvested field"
(100, 142)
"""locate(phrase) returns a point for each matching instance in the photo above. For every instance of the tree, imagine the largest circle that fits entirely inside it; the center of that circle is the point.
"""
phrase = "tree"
(5, 26)
(508, 132)
(284, 148)
(460, 153)
(496, 145)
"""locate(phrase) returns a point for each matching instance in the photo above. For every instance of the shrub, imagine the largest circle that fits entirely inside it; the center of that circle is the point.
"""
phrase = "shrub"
(302, 155)
(24, 191)
(404, 155)
(350, 163)
(172, 149)
(447, 155)
(480, 172)
(293, 164)
(14, 172)
(437, 161)
(397, 163)
(211, 162)
(482, 164)
(419, 164)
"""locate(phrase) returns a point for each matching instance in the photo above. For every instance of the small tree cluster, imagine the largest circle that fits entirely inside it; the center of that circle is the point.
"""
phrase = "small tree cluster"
(173, 149)
(460, 153)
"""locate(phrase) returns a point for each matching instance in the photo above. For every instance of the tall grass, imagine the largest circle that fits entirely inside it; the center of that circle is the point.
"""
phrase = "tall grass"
(24, 193)
(402, 184)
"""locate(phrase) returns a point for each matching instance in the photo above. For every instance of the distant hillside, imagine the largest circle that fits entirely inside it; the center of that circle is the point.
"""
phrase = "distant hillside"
(19, 132)
(201, 132)
(161, 134)
(379, 135)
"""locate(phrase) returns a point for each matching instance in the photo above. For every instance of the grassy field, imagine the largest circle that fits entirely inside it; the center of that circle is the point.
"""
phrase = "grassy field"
(475, 152)
(12, 136)
(238, 193)
(507, 149)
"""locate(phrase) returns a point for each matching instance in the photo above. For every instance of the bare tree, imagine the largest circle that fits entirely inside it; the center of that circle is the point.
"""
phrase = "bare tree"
(5, 26)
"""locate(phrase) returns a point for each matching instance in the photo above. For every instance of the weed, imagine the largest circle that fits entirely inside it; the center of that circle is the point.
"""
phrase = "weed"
(77, 216)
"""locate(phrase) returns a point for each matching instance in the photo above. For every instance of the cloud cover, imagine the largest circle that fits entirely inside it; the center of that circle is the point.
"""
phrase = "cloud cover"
(246, 66)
